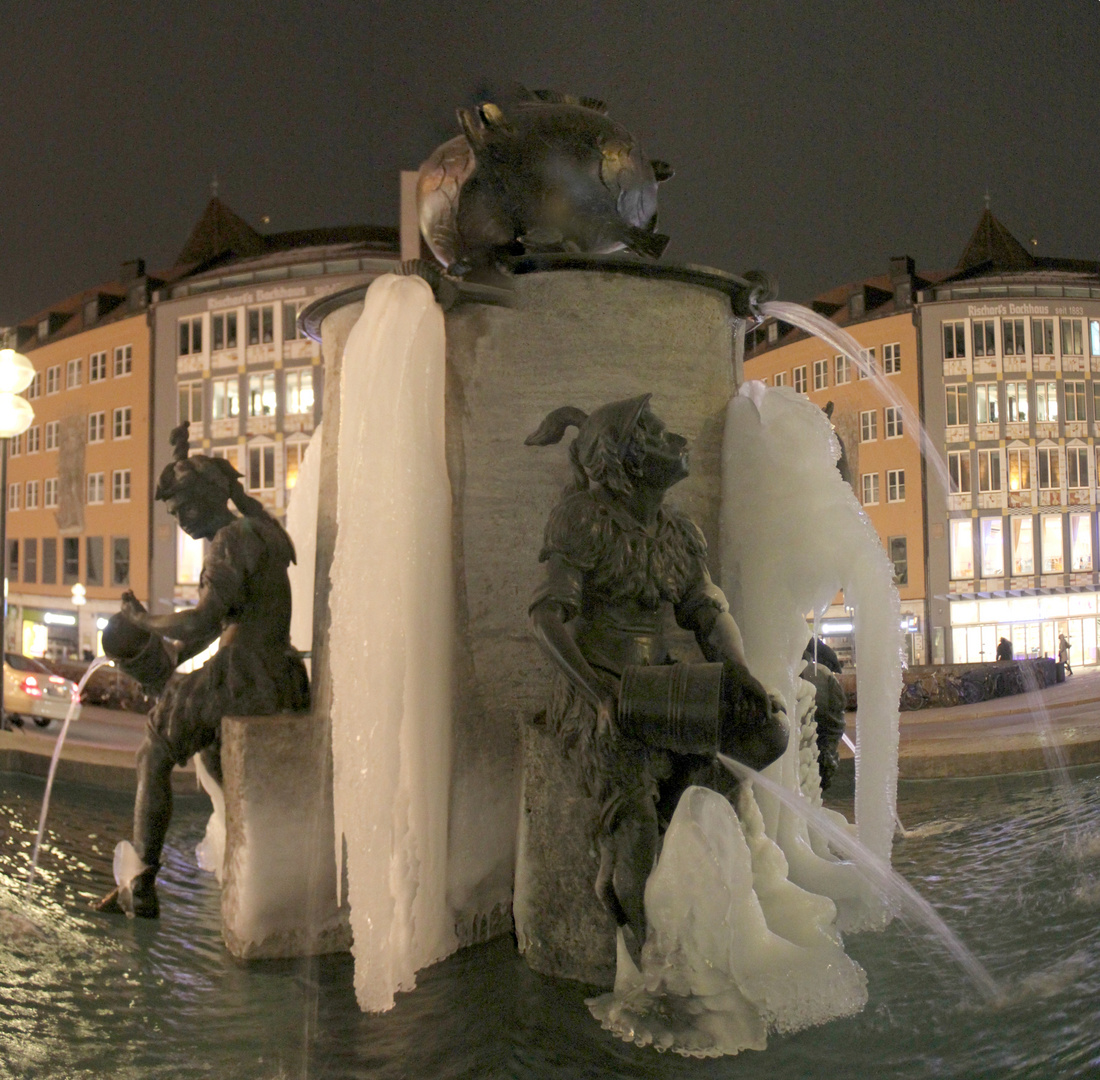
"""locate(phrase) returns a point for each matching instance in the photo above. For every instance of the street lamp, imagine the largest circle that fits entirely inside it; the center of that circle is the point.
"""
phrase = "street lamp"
(16, 415)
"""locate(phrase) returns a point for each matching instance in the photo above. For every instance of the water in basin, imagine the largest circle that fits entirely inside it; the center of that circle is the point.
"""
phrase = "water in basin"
(86, 996)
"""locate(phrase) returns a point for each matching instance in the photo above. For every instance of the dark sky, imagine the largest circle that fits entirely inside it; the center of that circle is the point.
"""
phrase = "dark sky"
(812, 139)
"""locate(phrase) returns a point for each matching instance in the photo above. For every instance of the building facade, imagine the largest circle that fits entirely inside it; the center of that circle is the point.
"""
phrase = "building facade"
(1000, 358)
(78, 481)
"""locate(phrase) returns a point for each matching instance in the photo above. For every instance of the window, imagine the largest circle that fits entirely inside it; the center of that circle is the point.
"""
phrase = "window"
(95, 488)
(1077, 466)
(53, 434)
(299, 391)
(13, 560)
(30, 561)
(987, 401)
(261, 467)
(1046, 402)
(53, 379)
(93, 555)
(223, 331)
(780, 378)
(985, 338)
(1051, 543)
(1019, 470)
(991, 538)
(1080, 542)
(1073, 338)
(958, 468)
(896, 546)
(97, 367)
(1049, 476)
(120, 560)
(989, 470)
(35, 388)
(869, 483)
(962, 548)
(49, 561)
(891, 416)
(190, 402)
(72, 373)
(225, 402)
(1042, 337)
(1074, 392)
(120, 422)
(34, 439)
(15, 446)
(821, 374)
(1094, 336)
(120, 486)
(843, 368)
(124, 360)
(261, 325)
(800, 379)
(895, 485)
(50, 494)
(958, 405)
(97, 427)
(32, 495)
(1012, 335)
(868, 365)
(13, 496)
(295, 452)
(290, 319)
(261, 394)
(1016, 402)
(868, 425)
(232, 454)
(891, 359)
(70, 560)
(954, 341)
(190, 336)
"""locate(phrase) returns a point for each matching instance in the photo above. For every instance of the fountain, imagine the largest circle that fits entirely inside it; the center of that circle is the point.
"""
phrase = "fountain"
(418, 836)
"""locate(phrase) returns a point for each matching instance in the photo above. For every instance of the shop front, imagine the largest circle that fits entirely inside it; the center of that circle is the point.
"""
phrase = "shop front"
(1031, 623)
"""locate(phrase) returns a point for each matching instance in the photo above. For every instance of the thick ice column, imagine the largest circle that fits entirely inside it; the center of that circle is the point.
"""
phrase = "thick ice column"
(792, 535)
(391, 639)
(301, 523)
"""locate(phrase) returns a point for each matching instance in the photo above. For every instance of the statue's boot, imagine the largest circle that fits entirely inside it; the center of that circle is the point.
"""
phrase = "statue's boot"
(141, 900)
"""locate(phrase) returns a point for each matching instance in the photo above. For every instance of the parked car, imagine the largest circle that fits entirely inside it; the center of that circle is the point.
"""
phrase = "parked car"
(31, 689)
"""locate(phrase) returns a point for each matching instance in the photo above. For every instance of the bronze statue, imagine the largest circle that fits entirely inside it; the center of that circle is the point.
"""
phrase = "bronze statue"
(642, 727)
(244, 599)
(548, 172)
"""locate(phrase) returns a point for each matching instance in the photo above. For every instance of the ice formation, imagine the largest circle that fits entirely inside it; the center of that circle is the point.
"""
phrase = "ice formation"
(301, 523)
(793, 534)
(391, 601)
(734, 949)
(210, 850)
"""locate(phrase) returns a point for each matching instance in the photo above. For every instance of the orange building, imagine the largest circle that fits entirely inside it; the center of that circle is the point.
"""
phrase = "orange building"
(79, 489)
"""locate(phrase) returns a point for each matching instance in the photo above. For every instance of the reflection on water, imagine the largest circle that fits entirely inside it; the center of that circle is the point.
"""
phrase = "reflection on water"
(85, 996)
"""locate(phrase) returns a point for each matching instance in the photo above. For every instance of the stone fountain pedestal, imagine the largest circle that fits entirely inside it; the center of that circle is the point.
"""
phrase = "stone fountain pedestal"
(578, 331)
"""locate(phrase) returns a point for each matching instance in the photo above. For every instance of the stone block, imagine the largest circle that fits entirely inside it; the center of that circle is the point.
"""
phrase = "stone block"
(279, 888)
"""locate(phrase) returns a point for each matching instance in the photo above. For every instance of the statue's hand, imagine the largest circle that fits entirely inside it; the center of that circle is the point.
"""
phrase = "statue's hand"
(132, 606)
(606, 711)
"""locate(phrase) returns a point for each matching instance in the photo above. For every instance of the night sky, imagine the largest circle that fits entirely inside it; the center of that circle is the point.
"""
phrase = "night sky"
(811, 139)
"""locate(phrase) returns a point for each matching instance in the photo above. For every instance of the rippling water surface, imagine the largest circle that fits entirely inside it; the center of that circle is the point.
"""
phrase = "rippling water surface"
(88, 996)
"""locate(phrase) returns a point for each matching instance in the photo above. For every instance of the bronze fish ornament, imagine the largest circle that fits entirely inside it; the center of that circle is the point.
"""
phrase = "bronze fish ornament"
(550, 172)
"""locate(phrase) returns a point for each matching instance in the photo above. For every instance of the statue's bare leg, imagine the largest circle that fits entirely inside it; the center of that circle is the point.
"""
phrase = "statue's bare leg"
(626, 860)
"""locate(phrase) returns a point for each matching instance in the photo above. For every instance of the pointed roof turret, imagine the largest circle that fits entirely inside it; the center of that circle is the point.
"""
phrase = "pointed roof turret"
(220, 232)
(992, 244)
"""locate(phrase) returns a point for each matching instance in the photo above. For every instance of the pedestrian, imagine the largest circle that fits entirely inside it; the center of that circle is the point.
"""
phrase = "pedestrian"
(1004, 649)
(1063, 653)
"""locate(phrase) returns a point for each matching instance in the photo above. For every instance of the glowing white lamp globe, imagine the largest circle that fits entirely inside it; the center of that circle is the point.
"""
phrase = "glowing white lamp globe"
(16, 415)
(16, 371)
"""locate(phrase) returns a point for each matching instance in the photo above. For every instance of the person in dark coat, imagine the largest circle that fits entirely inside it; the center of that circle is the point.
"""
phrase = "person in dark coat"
(1004, 649)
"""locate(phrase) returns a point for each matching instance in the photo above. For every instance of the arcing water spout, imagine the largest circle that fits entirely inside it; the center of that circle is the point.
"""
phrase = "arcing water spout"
(97, 663)
(878, 873)
(843, 342)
